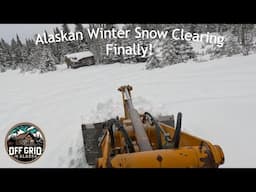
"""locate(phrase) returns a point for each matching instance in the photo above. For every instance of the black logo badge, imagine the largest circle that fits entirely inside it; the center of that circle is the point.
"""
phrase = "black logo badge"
(25, 142)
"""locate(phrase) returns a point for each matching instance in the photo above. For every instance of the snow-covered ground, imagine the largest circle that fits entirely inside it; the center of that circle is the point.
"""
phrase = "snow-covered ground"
(217, 98)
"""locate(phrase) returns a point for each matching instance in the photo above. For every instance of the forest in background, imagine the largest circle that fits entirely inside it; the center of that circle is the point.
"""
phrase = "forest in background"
(27, 56)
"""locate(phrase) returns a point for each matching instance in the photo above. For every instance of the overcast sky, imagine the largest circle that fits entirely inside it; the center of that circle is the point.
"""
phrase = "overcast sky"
(9, 31)
(25, 31)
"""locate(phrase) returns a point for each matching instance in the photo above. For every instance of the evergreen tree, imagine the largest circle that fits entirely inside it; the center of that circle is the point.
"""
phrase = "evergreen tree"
(47, 61)
(66, 47)
(153, 61)
(246, 37)
(53, 47)
(129, 42)
(111, 57)
(168, 52)
(80, 45)
(7, 55)
(65, 28)
(33, 59)
(230, 47)
(15, 54)
(18, 41)
(95, 44)
(238, 40)
(2, 58)
(19, 53)
(58, 49)
(79, 27)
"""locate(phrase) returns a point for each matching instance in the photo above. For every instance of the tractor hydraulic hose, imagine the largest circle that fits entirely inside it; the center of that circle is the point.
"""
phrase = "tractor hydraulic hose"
(176, 137)
(158, 129)
(111, 133)
(128, 140)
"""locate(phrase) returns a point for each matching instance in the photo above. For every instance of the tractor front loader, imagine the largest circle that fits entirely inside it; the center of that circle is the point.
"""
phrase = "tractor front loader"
(143, 141)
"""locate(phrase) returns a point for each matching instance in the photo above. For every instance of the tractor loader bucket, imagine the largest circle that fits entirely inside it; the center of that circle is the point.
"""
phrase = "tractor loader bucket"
(91, 135)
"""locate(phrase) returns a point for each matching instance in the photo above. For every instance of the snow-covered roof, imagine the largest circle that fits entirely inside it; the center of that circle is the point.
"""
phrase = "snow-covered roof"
(75, 57)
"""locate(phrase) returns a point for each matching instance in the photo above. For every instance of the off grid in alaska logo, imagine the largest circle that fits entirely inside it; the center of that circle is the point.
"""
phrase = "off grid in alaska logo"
(25, 142)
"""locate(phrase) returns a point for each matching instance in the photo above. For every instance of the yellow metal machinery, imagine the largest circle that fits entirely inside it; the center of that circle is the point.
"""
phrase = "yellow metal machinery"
(142, 141)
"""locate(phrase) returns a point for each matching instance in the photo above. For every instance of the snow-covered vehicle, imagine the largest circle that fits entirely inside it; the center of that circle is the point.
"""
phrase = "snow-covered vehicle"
(79, 59)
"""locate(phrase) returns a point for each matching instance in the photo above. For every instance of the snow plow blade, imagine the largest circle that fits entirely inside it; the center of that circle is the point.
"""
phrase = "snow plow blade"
(91, 134)
(143, 141)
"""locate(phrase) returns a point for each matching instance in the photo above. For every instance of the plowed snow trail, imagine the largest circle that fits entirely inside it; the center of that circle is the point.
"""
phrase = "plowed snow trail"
(217, 99)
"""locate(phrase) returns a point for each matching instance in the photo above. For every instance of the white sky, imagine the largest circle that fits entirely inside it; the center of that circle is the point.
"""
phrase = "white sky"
(9, 31)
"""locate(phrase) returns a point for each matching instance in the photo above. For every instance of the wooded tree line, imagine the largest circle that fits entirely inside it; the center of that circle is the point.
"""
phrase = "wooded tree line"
(239, 39)
(27, 56)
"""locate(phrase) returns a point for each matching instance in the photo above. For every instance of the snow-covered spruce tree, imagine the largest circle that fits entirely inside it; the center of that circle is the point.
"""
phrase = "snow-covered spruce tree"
(153, 62)
(2, 59)
(61, 48)
(40, 58)
(18, 53)
(6, 57)
(47, 61)
(55, 47)
(79, 27)
(168, 52)
(32, 54)
(144, 42)
(15, 53)
(24, 57)
(65, 47)
(75, 46)
(238, 40)
(80, 45)
(97, 45)
(128, 58)
(111, 57)
(129, 42)
(231, 46)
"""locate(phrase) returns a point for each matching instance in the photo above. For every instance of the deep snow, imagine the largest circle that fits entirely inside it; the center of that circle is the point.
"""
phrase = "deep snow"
(217, 98)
